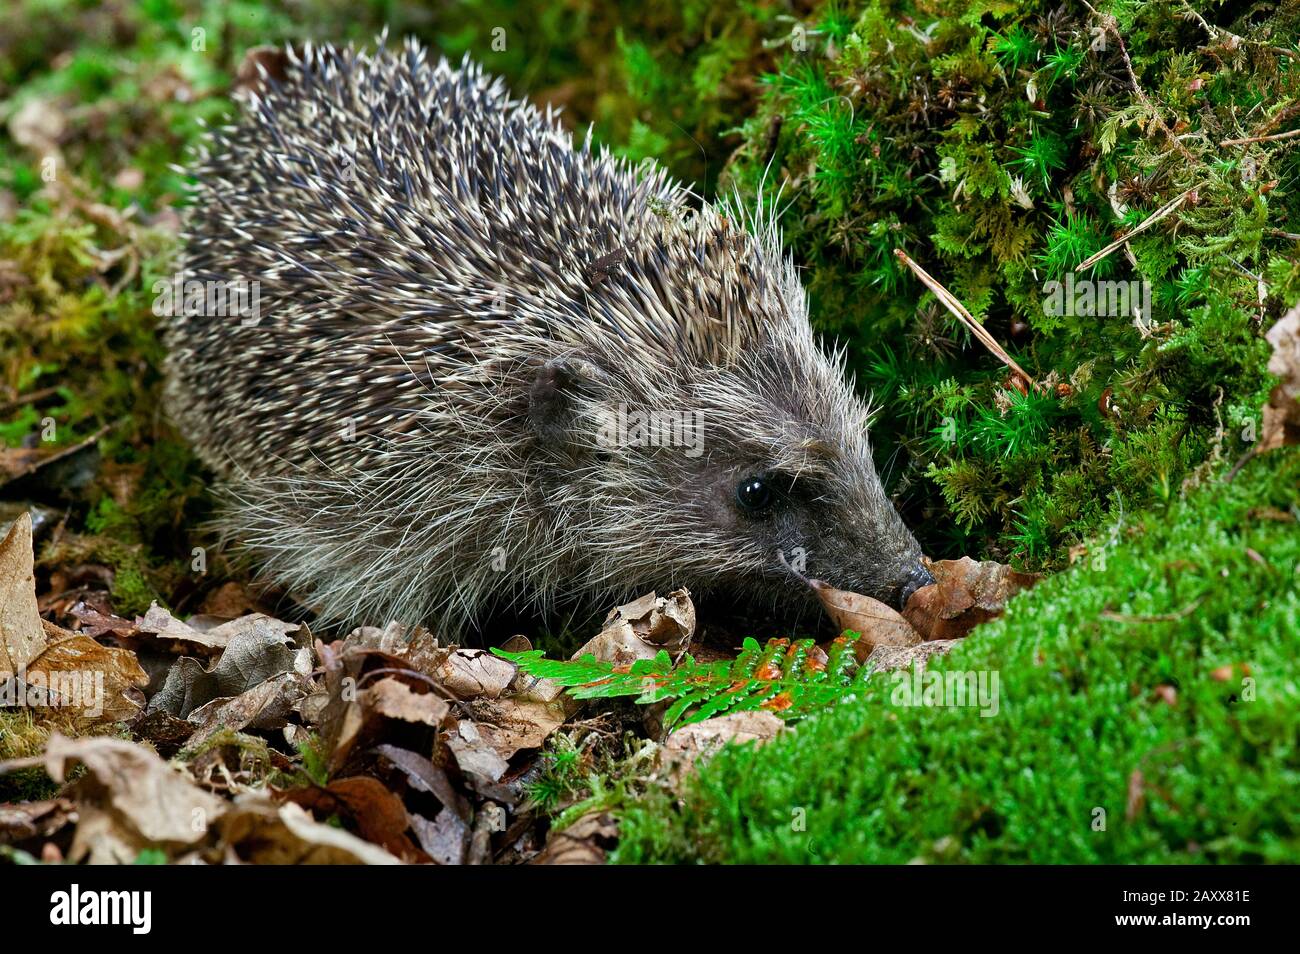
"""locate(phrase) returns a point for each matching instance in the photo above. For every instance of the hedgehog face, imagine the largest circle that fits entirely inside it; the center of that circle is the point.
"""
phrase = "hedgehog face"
(805, 502)
(843, 531)
(730, 480)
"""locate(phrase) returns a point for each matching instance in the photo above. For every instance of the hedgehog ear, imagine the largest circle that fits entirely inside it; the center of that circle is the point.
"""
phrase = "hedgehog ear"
(553, 398)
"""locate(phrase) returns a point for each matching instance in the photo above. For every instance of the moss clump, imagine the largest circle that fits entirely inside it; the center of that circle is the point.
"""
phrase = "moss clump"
(1158, 684)
(1000, 145)
(23, 734)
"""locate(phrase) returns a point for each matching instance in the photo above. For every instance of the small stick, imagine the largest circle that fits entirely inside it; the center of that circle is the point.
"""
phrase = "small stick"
(1271, 137)
(949, 301)
(1151, 220)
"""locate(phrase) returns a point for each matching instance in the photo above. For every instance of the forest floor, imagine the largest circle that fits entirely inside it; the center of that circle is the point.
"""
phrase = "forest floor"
(1134, 698)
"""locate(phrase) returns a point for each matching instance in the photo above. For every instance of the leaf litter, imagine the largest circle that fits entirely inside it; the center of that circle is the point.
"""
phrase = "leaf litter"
(245, 738)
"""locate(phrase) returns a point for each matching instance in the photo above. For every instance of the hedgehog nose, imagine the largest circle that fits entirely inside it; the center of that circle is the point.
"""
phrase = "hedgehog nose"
(916, 578)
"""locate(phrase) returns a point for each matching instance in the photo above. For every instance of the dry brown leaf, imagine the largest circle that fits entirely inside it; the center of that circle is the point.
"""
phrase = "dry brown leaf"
(445, 839)
(474, 752)
(154, 799)
(965, 593)
(342, 719)
(376, 814)
(157, 621)
(509, 725)
(258, 649)
(1281, 424)
(424, 776)
(160, 623)
(889, 658)
(417, 647)
(688, 747)
(394, 699)
(266, 706)
(164, 731)
(474, 673)
(641, 628)
(257, 831)
(21, 637)
(26, 820)
(874, 622)
(101, 683)
(586, 842)
(93, 623)
(102, 838)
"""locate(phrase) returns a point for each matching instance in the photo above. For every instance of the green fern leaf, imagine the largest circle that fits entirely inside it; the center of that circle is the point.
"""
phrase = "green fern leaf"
(784, 677)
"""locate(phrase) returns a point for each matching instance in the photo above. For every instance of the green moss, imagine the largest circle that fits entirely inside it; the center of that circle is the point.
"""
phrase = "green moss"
(23, 734)
(1156, 681)
(1000, 149)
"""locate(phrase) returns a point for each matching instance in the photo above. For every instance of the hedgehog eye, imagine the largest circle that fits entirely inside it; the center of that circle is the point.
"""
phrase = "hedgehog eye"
(754, 495)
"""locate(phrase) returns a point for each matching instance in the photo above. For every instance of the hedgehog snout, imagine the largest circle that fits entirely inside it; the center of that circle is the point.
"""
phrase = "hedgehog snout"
(915, 578)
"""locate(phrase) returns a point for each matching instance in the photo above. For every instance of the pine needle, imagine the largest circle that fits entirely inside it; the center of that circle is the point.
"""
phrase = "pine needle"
(1160, 213)
(949, 301)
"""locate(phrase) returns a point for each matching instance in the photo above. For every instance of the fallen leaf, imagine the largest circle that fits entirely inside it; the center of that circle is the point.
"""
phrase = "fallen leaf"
(643, 627)
(258, 832)
(474, 753)
(874, 622)
(890, 658)
(160, 623)
(376, 814)
(100, 682)
(164, 731)
(965, 593)
(21, 637)
(690, 746)
(157, 801)
(258, 650)
(424, 776)
(509, 725)
(102, 838)
(266, 706)
(94, 624)
(445, 839)
(1281, 423)
(393, 699)
(417, 647)
(473, 673)
(43, 517)
(586, 842)
(28, 820)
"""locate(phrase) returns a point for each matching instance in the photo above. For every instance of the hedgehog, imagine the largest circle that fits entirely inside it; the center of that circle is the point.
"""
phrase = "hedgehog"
(491, 369)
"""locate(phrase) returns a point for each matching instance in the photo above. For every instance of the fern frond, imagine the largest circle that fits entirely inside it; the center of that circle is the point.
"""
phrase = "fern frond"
(783, 677)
